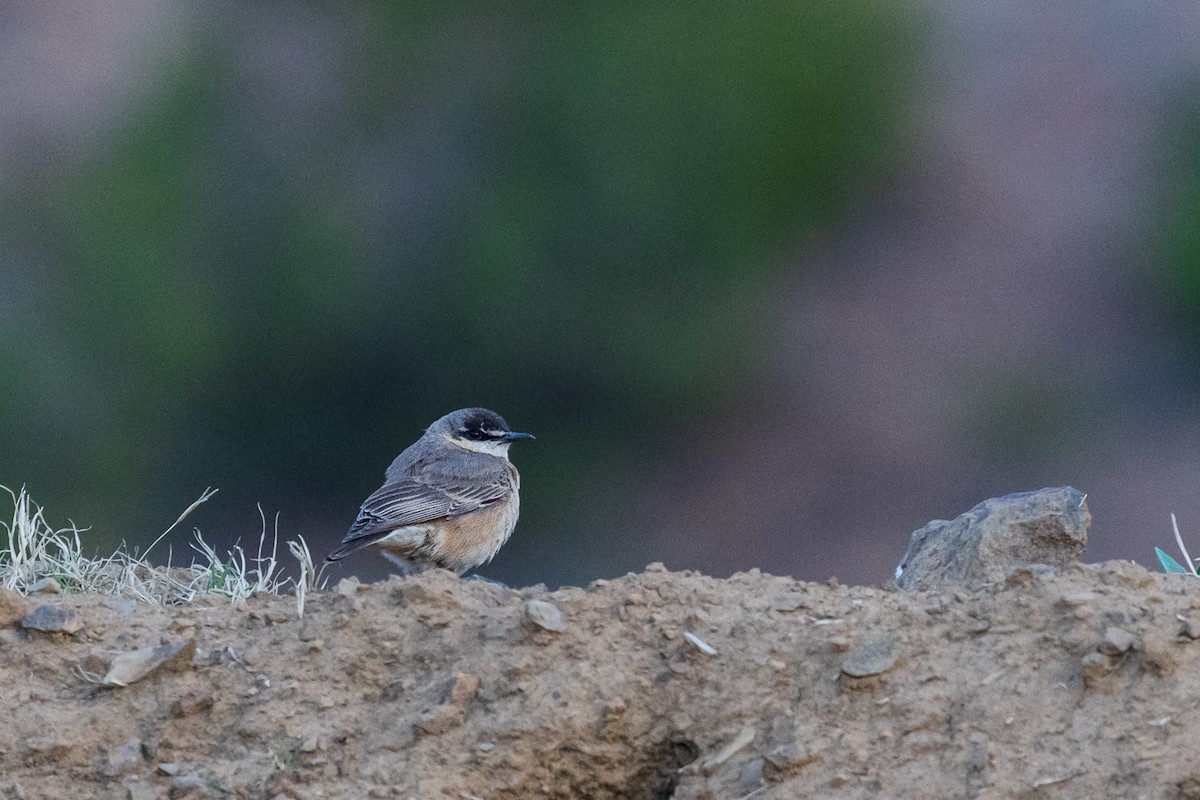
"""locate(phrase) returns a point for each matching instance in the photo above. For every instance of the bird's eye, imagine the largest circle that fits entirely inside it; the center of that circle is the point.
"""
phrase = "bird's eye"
(475, 435)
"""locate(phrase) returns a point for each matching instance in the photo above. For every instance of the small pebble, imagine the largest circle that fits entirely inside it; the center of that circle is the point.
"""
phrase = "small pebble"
(545, 615)
(45, 586)
(871, 657)
(347, 587)
(1116, 641)
(790, 601)
(1094, 667)
(751, 775)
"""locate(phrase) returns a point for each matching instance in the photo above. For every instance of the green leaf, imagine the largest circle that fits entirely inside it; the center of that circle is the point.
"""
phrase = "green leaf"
(1169, 564)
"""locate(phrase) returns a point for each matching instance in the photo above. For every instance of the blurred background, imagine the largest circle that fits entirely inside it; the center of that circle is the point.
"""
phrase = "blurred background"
(774, 284)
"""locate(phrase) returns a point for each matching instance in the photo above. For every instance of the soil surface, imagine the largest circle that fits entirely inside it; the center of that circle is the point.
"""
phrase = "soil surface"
(1081, 683)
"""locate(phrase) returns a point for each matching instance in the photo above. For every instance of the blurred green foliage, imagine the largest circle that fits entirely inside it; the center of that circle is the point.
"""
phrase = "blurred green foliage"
(1180, 235)
(312, 235)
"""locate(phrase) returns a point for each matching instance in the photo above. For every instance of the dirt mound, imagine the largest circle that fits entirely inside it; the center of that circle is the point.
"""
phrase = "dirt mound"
(1080, 683)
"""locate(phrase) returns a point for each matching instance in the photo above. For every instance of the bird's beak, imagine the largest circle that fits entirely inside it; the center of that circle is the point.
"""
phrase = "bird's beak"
(512, 436)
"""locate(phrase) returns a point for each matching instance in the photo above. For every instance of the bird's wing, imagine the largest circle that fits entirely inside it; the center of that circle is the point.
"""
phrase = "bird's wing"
(412, 502)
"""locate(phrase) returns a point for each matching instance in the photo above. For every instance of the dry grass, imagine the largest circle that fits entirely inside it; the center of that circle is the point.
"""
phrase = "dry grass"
(36, 553)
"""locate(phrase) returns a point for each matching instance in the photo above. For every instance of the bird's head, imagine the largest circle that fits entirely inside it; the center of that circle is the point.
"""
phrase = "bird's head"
(477, 430)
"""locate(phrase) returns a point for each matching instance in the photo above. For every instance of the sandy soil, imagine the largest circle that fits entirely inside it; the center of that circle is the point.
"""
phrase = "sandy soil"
(1084, 683)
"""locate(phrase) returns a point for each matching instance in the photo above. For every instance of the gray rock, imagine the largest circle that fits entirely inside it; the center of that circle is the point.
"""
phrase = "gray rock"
(141, 791)
(45, 586)
(984, 544)
(122, 669)
(871, 657)
(52, 619)
(545, 615)
(751, 776)
(191, 785)
(1116, 641)
(123, 760)
(790, 601)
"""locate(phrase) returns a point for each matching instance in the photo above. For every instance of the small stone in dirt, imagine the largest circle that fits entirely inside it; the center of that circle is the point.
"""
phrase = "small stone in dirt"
(45, 586)
(310, 745)
(52, 620)
(125, 668)
(751, 776)
(190, 785)
(347, 587)
(871, 657)
(1116, 641)
(1094, 666)
(168, 768)
(655, 566)
(1074, 599)
(545, 615)
(140, 791)
(122, 607)
(790, 601)
(452, 711)
(190, 703)
(1191, 628)
(123, 760)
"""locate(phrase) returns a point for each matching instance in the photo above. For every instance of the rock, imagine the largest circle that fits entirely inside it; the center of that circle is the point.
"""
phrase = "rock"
(986, 543)
(1191, 628)
(452, 710)
(545, 615)
(347, 587)
(1116, 641)
(52, 619)
(751, 776)
(871, 657)
(140, 791)
(790, 601)
(123, 760)
(121, 606)
(1093, 667)
(190, 785)
(44, 586)
(126, 668)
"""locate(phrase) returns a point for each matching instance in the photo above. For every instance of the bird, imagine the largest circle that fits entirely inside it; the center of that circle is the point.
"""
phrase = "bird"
(450, 500)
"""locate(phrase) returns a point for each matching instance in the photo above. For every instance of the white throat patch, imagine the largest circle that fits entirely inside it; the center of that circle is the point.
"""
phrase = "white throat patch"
(488, 447)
